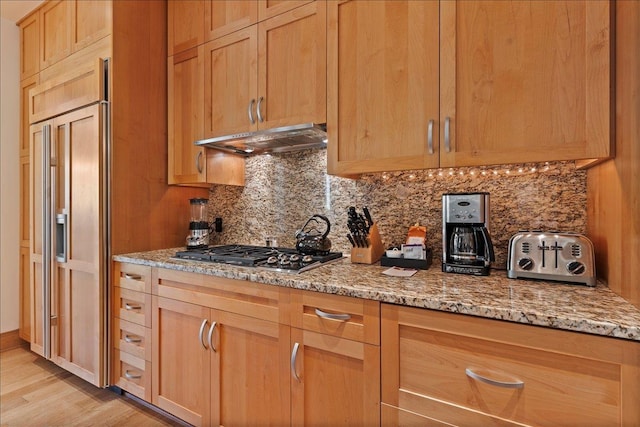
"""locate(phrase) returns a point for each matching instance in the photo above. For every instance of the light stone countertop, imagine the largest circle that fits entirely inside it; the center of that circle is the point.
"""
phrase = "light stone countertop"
(596, 310)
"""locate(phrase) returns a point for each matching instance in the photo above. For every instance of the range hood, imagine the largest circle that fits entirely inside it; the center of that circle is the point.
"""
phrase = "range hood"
(276, 140)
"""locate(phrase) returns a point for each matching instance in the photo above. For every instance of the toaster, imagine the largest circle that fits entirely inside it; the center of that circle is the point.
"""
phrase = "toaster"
(564, 257)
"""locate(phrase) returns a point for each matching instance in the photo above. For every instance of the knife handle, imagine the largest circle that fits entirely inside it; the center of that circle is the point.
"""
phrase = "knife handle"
(367, 215)
(353, 243)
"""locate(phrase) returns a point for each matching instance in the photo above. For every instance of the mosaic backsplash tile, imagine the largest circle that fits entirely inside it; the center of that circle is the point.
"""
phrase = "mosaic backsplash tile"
(283, 190)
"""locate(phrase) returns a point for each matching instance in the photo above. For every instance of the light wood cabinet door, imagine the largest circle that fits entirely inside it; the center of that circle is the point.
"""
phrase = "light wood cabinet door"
(91, 21)
(231, 83)
(525, 81)
(292, 71)
(55, 31)
(29, 46)
(270, 8)
(25, 86)
(250, 384)
(25, 295)
(185, 97)
(181, 360)
(464, 370)
(334, 381)
(383, 86)
(225, 17)
(185, 25)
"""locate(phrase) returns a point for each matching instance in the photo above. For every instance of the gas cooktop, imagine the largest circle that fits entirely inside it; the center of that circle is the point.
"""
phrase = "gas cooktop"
(274, 259)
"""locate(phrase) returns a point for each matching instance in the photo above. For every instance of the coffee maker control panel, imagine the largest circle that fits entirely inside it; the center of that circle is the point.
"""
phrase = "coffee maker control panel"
(469, 208)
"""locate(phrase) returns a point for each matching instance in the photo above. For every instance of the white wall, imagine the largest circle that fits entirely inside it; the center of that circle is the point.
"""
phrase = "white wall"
(9, 175)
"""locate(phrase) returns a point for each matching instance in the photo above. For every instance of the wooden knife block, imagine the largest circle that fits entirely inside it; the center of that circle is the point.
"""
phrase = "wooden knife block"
(371, 254)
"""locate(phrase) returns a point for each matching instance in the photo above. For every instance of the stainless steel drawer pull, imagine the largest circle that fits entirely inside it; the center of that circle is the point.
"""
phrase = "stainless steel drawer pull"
(258, 107)
(503, 384)
(325, 315)
(294, 356)
(210, 336)
(199, 162)
(201, 333)
(130, 376)
(128, 306)
(430, 137)
(132, 338)
(132, 276)
(250, 111)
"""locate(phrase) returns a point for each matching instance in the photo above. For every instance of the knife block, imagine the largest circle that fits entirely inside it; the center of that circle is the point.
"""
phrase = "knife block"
(371, 254)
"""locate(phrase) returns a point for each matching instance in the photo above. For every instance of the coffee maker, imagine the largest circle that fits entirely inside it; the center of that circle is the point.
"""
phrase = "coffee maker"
(466, 243)
(199, 228)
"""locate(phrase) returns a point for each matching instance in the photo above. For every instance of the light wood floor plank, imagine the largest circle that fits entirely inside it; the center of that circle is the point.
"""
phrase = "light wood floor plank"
(35, 392)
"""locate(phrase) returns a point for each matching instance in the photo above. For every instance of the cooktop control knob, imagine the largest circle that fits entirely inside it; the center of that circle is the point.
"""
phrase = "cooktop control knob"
(576, 267)
(525, 263)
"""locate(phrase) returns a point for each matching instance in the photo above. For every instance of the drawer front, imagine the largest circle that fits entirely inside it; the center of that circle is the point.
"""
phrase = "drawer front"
(435, 373)
(132, 306)
(345, 317)
(392, 416)
(132, 374)
(133, 277)
(132, 338)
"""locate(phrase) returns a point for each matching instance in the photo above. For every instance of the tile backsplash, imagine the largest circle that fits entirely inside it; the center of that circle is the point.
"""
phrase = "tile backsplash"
(282, 191)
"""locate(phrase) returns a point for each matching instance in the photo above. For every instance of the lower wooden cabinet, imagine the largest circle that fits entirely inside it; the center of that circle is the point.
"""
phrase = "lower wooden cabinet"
(463, 370)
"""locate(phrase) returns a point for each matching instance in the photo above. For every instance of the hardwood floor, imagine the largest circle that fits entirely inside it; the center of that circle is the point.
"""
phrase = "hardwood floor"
(35, 392)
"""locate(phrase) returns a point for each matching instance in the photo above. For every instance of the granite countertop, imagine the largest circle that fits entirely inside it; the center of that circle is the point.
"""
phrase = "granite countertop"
(596, 310)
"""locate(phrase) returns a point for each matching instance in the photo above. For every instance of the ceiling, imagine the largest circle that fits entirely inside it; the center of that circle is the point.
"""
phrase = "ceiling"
(14, 10)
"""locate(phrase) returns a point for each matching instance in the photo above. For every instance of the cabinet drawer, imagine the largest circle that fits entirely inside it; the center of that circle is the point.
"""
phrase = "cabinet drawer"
(464, 370)
(132, 306)
(132, 276)
(132, 338)
(345, 317)
(132, 374)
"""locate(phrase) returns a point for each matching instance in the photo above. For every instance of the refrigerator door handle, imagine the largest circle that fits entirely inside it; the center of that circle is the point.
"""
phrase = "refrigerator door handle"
(46, 239)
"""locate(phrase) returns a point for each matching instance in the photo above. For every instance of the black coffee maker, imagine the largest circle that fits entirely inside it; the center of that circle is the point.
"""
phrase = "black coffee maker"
(466, 243)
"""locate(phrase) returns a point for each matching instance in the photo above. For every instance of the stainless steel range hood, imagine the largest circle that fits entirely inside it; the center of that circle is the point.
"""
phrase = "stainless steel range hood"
(276, 140)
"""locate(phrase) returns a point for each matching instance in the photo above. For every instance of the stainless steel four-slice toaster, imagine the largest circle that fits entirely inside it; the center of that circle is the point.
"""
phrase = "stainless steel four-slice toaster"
(565, 257)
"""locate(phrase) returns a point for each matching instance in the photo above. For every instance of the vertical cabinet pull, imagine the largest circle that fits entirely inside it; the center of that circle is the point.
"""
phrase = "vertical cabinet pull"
(201, 333)
(250, 111)
(61, 237)
(210, 336)
(258, 110)
(294, 356)
(325, 315)
(503, 384)
(447, 134)
(430, 137)
(199, 161)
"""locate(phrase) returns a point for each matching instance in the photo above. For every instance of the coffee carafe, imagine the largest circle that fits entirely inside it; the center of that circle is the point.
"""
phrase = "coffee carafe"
(199, 227)
(466, 243)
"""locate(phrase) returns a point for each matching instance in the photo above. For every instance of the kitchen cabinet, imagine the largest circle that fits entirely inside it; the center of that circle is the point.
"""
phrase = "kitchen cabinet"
(443, 368)
(335, 360)
(29, 46)
(466, 83)
(189, 164)
(267, 75)
(131, 329)
(214, 366)
(185, 25)
(67, 26)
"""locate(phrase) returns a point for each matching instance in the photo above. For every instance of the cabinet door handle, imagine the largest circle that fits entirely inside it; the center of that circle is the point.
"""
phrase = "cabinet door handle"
(325, 315)
(199, 161)
(250, 111)
(430, 137)
(61, 237)
(201, 333)
(132, 276)
(132, 338)
(131, 376)
(294, 356)
(128, 306)
(447, 134)
(503, 384)
(210, 336)
(258, 108)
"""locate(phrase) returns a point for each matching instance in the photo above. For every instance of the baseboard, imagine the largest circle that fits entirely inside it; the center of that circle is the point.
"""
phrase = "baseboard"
(10, 340)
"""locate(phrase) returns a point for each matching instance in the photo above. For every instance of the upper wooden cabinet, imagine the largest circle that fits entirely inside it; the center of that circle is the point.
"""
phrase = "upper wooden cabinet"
(383, 88)
(516, 82)
(67, 26)
(29, 46)
(224, 17)
(268, 75)
(185, 25)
